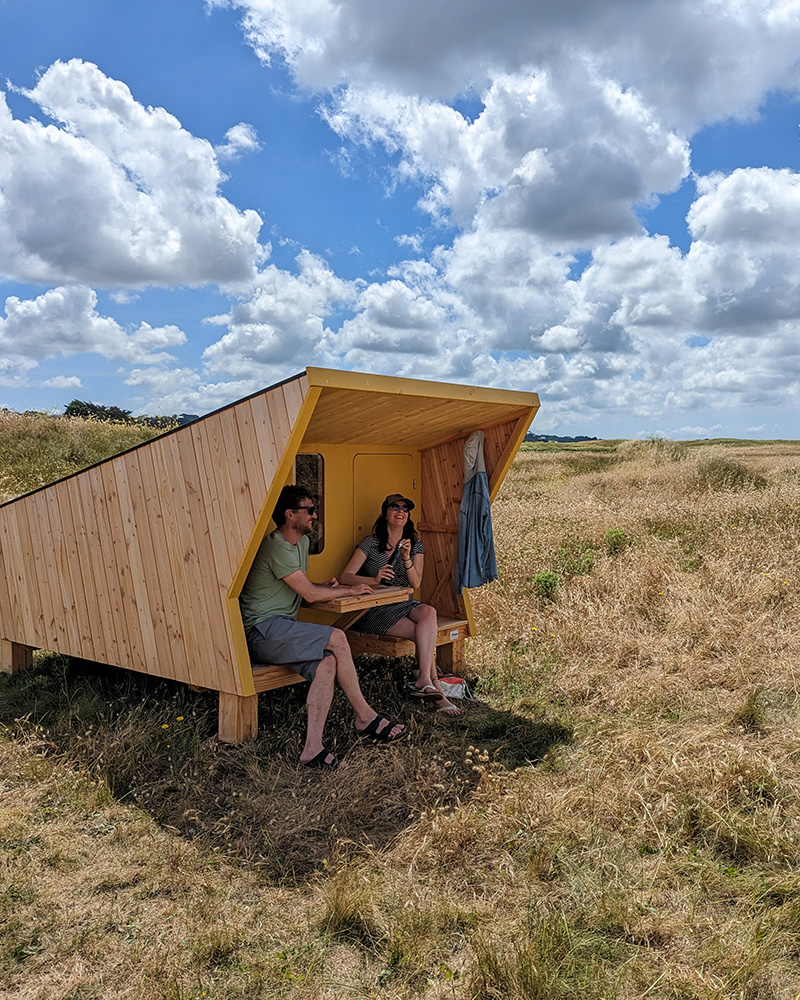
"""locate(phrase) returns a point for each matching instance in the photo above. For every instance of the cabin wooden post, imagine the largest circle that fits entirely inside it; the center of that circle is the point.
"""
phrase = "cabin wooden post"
(238, 717)
(14, 657)
(450, 658)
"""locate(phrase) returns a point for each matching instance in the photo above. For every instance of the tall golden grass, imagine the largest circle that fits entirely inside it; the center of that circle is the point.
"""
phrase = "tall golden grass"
(38, 448)
(617, 815)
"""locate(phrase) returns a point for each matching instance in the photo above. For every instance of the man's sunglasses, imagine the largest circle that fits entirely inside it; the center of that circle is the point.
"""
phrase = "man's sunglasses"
(399, 506)
(311, 510)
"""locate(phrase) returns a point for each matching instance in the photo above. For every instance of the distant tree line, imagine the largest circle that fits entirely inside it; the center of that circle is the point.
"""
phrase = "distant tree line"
(115, 415)
(556, 437)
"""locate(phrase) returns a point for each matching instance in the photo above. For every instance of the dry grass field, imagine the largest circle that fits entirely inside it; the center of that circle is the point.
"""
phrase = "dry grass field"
(616, 816)
(36, 448)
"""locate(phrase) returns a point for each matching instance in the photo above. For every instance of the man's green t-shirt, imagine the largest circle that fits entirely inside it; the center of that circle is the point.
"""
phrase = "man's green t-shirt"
(265, 595)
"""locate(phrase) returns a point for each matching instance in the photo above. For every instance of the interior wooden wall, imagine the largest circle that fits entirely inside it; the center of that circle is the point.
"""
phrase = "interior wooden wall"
(129, 562)
(442, 488)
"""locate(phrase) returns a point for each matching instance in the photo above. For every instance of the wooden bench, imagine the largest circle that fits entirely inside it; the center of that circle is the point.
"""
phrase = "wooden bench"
(267, 677)
(450, 637)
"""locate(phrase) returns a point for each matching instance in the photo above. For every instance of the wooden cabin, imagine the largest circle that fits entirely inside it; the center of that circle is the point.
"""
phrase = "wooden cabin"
(139, 561)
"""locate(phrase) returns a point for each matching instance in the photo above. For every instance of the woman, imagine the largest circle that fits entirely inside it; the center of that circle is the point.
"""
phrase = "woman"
(394, 533)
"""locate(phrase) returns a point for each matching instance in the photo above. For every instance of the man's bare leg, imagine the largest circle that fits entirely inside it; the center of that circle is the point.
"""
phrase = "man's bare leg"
(318, 703)
(347, 676)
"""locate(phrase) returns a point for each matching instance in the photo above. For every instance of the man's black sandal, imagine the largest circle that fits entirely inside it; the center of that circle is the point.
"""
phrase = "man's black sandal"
(383, 735)
(321, 760)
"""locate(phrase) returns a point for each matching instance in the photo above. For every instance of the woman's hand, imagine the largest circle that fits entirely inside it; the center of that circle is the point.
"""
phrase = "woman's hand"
(413, 567)
(384, 573)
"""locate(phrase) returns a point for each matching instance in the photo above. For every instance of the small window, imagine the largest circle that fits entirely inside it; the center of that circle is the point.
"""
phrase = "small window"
(309, 471)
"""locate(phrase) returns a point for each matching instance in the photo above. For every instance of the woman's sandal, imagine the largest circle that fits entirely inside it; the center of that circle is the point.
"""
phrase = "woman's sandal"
(426, 693)
(383, 734)
(321, 760)
(451, 711)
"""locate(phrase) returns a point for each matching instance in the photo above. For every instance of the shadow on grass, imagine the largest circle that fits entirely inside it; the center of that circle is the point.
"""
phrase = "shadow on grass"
(154, 743)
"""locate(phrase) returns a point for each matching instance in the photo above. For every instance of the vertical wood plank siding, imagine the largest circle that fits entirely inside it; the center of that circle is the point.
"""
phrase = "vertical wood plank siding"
(442, 488)
(129, 562)
(442, 484)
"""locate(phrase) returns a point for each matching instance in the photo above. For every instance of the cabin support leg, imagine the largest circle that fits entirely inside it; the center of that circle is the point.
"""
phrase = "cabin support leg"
(238, 717)
(14, 657)
(450, 658)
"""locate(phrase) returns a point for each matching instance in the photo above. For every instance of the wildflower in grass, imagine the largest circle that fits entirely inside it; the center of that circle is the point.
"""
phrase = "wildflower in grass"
(179, 718)
(165, 726)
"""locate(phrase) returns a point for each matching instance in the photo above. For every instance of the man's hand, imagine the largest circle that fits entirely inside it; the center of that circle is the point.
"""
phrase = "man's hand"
(355, 591)
(313, 592)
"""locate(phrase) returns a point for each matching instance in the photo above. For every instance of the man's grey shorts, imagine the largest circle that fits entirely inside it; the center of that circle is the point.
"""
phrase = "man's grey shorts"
(297, 645)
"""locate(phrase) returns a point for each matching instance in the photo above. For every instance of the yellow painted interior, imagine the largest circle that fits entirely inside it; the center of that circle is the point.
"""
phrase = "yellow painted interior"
(370, 430)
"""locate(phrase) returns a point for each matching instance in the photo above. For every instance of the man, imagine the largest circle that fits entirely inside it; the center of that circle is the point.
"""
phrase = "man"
(271, 597)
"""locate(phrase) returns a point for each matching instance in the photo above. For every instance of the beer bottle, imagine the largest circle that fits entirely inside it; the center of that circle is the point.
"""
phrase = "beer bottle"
(395, 561)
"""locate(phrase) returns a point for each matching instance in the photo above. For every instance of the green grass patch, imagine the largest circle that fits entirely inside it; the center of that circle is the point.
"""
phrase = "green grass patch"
(616, 540)
(575, 556)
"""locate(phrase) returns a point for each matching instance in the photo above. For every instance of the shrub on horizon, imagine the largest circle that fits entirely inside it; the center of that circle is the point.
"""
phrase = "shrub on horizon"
(95, 411)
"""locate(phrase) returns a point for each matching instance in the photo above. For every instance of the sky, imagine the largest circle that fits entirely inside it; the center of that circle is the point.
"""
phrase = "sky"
(595, 201)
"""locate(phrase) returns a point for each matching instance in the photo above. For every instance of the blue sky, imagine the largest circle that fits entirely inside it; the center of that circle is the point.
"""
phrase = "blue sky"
(596, 202)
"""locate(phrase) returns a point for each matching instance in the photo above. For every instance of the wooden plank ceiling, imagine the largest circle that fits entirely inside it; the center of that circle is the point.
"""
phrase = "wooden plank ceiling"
(355, 416)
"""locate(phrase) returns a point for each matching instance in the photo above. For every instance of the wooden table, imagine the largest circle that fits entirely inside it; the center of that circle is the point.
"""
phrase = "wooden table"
(350, 609)
(266, 676)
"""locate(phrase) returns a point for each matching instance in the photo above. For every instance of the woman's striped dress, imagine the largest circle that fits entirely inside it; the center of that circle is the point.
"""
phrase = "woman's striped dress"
(378, 621)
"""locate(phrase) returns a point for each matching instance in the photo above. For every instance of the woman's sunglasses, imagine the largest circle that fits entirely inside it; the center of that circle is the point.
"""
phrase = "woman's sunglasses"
(399, 506)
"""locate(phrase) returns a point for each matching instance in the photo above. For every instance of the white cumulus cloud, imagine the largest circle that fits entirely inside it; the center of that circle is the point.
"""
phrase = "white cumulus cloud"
(114, 193)
(64, 322)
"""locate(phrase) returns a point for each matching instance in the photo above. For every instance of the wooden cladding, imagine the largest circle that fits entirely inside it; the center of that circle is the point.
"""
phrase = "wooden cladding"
(129, 562)
(442, 488)
(384, 418)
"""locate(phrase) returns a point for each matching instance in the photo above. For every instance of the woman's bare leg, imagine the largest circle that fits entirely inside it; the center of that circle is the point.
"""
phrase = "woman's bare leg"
(421, 625)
